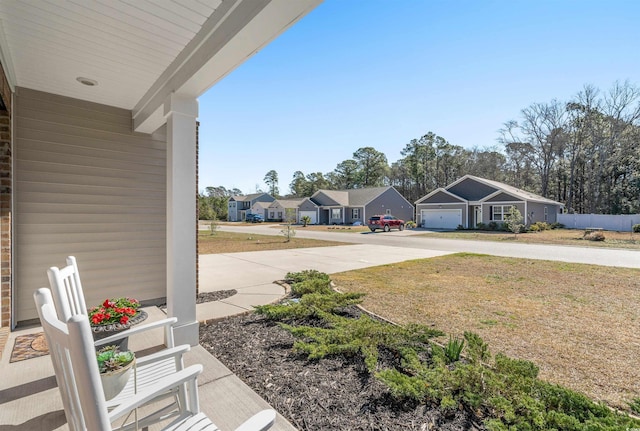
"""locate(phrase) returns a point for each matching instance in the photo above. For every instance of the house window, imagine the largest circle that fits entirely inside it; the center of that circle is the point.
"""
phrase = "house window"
(272, 215)
(388, 211)
(546, 214)
(500, 212)
(335, 213)
(355, 213)
(279, 214)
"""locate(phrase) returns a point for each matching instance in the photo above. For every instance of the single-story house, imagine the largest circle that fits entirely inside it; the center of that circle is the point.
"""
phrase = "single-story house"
(293, 210)
(239, 206)
(472, 200)
(98, 141)
(357, 205)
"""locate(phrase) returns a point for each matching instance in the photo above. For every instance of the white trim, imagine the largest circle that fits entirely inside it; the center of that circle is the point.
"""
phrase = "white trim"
(443, 190)
(7, 65)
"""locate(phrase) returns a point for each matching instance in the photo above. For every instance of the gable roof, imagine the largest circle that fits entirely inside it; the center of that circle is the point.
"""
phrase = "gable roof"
(514, 191)
(262, 205)
(440, 190)
(245, 198)
(354, 197)
(288, 203)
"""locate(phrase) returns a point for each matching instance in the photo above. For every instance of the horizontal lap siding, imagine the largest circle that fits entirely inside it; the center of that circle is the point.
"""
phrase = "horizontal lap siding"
(87, 186)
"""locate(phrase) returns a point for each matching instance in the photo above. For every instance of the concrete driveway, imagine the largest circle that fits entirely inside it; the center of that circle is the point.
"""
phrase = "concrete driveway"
(413, 239)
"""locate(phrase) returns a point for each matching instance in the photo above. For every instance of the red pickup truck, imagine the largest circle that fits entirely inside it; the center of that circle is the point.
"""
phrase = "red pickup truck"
(385, 222)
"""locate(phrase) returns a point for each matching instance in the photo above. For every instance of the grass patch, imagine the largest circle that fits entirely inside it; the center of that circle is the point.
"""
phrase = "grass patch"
(628, 240)
(232, 242)
(333, 228)
(577, 322)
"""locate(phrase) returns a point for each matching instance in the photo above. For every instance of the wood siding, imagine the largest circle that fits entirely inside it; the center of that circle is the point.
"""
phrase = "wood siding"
(87, 186)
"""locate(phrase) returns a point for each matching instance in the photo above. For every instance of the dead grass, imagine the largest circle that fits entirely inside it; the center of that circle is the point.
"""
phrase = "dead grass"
(578, 323)
(232, 242)
(334, 228)
(555, 236)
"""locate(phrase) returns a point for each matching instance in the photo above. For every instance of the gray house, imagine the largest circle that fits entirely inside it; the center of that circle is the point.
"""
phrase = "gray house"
(240, 206)
(472, 200)
(357, 205)
(293, 210)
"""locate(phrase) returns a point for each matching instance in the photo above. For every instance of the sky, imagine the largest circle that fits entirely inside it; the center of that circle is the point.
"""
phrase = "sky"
(358, 73)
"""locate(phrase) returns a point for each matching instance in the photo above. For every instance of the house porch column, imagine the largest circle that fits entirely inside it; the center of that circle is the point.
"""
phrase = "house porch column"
(181, 113)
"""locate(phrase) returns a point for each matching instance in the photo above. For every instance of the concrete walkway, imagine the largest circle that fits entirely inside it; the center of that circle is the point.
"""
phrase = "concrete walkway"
(253, 274)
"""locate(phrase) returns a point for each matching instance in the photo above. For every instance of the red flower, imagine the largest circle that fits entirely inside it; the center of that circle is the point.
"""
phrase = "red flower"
(118, 310)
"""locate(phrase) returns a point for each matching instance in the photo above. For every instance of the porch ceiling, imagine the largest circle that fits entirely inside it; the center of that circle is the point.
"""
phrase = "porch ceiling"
(138, 51)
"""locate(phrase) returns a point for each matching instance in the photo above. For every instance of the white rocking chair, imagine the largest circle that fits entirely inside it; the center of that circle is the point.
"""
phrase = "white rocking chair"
(76, 369)
(69, 301)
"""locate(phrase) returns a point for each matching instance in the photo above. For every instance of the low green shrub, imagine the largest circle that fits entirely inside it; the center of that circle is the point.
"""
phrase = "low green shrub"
(493, 225)
(312, 285)
(481, 226)
(308, 305)
(636, 228)
(557, 225)
(541, 225)
(307, 274)
(459, 227)
(410, 224)
(534, 228)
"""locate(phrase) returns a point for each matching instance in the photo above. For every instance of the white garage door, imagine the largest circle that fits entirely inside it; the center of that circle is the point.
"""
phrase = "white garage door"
(312, 215)
(441, 219)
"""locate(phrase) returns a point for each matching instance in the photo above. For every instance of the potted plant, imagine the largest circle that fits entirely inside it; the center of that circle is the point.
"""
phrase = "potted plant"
(115, 367)
(115, 315)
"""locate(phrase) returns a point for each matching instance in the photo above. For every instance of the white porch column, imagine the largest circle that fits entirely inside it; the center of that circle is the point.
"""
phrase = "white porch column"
(181, 113)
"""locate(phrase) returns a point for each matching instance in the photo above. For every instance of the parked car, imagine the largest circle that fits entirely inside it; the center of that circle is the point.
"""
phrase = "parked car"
(385, 222)
(254, 218)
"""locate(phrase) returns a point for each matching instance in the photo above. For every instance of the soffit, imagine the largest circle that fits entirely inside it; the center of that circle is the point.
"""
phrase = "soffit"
(139, 51)
(124, 45)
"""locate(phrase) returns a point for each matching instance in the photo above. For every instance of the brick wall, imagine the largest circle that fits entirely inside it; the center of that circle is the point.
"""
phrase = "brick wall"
(5, 202)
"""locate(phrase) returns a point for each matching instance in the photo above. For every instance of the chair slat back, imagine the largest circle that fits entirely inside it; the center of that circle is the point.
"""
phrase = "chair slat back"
(67, 290)
(75, 366)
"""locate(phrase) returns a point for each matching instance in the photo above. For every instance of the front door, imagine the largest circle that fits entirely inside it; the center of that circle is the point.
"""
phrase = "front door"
(477, 215)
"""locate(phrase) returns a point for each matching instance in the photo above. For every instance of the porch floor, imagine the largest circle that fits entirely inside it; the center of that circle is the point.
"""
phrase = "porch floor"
(29, 397)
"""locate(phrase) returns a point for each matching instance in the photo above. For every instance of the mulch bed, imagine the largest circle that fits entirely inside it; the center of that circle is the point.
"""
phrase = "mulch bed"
(328, 394)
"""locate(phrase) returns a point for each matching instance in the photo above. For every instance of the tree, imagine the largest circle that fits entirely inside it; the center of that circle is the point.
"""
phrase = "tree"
(305, 220)
(513, 220)
(271, 179)
(372, 167)
(345, 175)
(298, 186)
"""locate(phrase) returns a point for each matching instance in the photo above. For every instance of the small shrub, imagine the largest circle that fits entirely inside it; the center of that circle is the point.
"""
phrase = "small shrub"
(636, 228)
(557, 225)
(595, 236)
(313, 285)
(534, 228)
(481, 226)
(410, 224)
(460, 227)
(307, 274)
(453, 349)
(493, 225)
(541, 225)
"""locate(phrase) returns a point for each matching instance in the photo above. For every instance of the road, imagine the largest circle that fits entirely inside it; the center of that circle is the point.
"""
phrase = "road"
(413, 239)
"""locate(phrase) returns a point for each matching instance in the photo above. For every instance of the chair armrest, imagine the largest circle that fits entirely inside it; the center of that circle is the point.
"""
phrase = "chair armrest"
(261, 421)
(173, 381)
(177, 352)
(168, 322)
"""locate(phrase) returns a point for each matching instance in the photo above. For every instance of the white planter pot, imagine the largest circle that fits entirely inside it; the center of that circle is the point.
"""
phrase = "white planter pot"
(114, 382)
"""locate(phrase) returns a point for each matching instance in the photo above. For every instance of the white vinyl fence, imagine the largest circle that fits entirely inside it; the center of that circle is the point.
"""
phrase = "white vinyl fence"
(621, 223)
